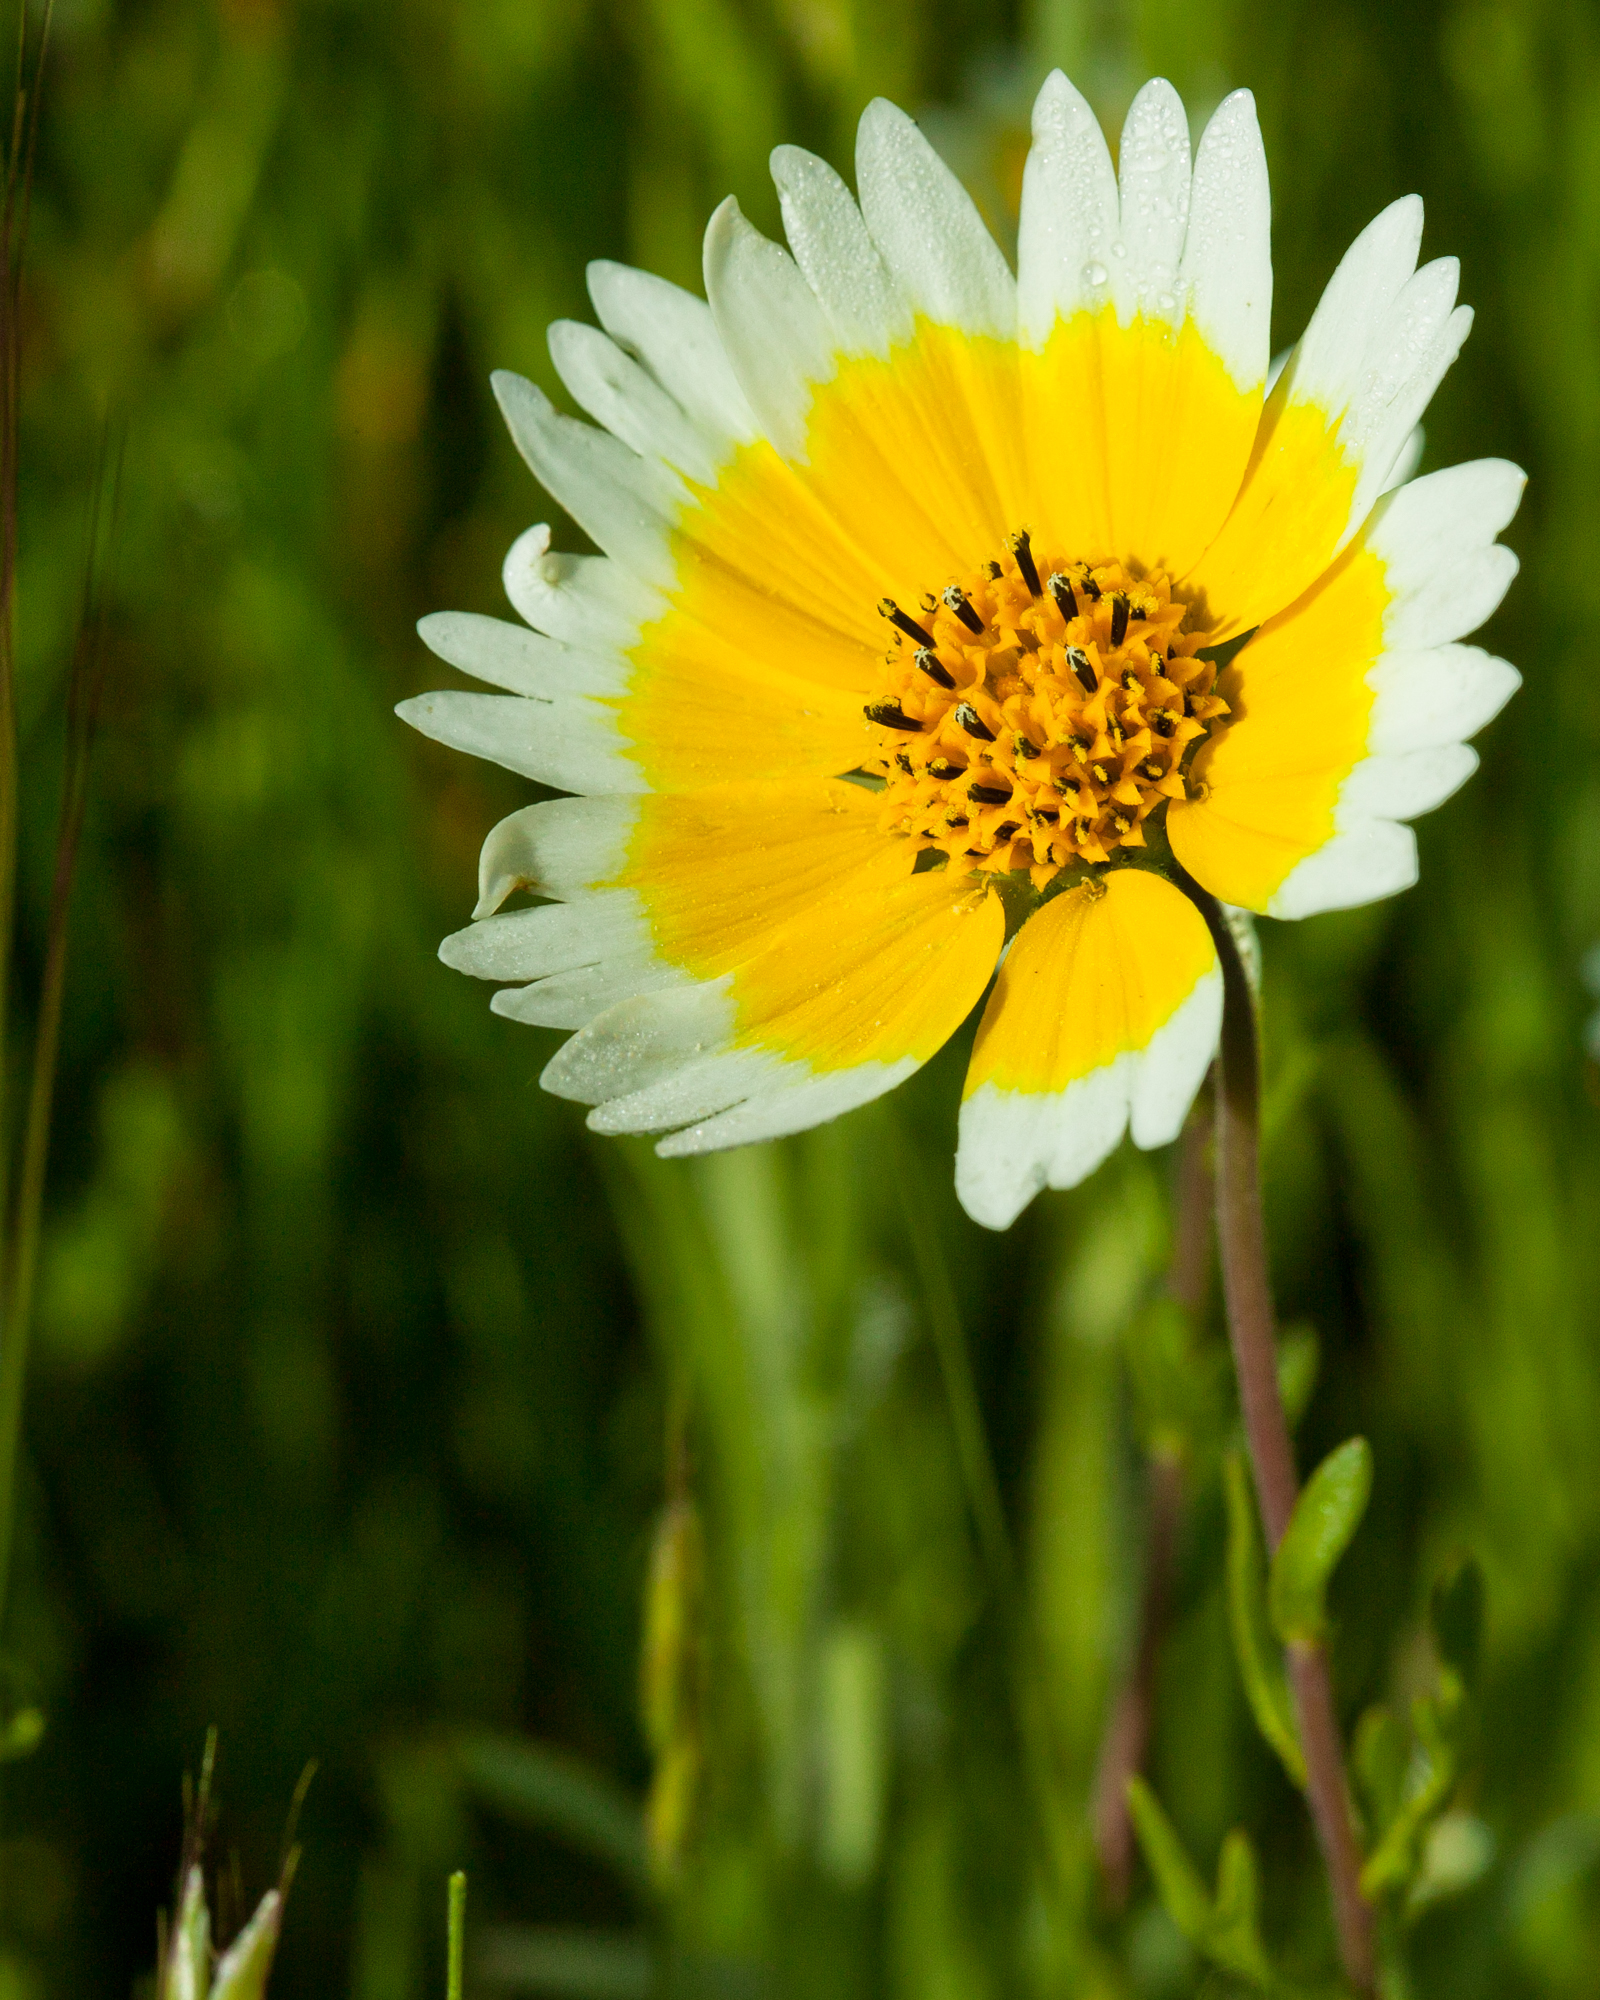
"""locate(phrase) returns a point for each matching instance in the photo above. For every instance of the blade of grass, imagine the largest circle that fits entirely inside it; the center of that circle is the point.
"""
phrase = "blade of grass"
(981, 1483)
(85, 687)
(14, 212)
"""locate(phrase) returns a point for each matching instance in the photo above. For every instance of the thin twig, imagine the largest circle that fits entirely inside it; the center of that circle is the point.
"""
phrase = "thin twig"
(1247, 1288)
(1126, 1742)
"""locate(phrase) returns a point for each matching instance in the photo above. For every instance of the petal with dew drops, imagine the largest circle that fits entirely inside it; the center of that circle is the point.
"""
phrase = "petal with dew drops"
(1339, 418)
(840, 1004)
(1144, 308)
(1349, 711)
(1104, 1016)
(663, 889)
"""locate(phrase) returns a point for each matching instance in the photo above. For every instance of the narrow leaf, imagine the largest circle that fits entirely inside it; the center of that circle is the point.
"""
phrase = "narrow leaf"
(542, 1788)
(189, 1969)
(1456, 1614)
(1235, 1940)
(242, 1975)
(1381, 1755)
(1178, 1881)
(1299, 1357)
(1260, 1662)
(1325, 1518)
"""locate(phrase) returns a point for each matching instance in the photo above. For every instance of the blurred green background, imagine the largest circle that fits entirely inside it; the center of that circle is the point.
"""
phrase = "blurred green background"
(364, 1373)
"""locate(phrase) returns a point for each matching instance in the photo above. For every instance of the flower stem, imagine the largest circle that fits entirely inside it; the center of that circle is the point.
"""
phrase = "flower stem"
(1127, 1738)
(1247, 1289)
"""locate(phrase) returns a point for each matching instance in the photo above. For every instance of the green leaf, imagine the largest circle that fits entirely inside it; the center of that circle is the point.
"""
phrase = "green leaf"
(189, 1963)
(1381, 1754)
(1430, 1779)
(1260, 1662)
(1178, 1882)
(1456, 1614)
(541, 1788)
(1235, 1939)
(1299, 1358)
(242, 1975)
(1229, 1933)
(1325, 1518)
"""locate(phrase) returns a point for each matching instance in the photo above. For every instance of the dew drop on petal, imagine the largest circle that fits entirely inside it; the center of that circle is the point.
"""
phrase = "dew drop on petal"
(1095, 275)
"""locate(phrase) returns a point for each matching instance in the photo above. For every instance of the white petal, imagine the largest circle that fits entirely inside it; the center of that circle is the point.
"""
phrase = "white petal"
(865, 307)
(1414, 352)
(1404, 786)
(1069, 212)
(1154, 190)
(1405, 466)
(588, 600)
(674, 335)
(510, 656)
(1436, 538)
(632, 405)
(775, 334)
(557, 937)
(1442, 696)
(1227, 253)
(571, 744)
(924, 222)
(1171, 1066)
(788, 1107)
(1014, 1143)
(1326, 366)
(1363, 865)
(646, 1057)
(573, 999)
(623, 502)
(559, 848)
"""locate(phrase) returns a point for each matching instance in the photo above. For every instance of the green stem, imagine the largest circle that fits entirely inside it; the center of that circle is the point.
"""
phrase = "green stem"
(458, 1933)
(1127, 1738)
(18, 1280)
(1241, 1235)
(981, 1487)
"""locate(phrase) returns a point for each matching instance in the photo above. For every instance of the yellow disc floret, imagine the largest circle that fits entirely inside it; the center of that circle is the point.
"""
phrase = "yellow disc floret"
(1037, 712)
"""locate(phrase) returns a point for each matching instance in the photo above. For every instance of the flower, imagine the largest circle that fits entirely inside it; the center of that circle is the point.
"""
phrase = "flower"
(917, 617)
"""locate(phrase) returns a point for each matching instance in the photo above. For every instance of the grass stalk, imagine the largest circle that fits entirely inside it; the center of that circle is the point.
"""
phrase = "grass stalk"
(85, 687)
(457, 1935)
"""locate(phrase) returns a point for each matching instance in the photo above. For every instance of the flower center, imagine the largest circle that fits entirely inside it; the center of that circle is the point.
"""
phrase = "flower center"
(1037, 712)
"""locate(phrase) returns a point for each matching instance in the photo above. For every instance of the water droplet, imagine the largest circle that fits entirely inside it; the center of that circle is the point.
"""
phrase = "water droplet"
(1166, 302)
(1095, 274)
(1119, 249)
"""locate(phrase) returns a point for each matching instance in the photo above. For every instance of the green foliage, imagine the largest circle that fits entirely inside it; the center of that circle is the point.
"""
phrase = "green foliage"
(1416, 1852)
(1226, 1929)
(357, 1355)
(1255, 1646)
(1320, 1529)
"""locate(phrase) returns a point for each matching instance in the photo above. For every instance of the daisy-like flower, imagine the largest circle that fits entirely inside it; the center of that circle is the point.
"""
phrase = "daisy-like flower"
(917, 628)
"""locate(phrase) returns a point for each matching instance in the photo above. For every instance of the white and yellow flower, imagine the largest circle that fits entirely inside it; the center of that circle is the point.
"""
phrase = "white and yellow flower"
(915, 580)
